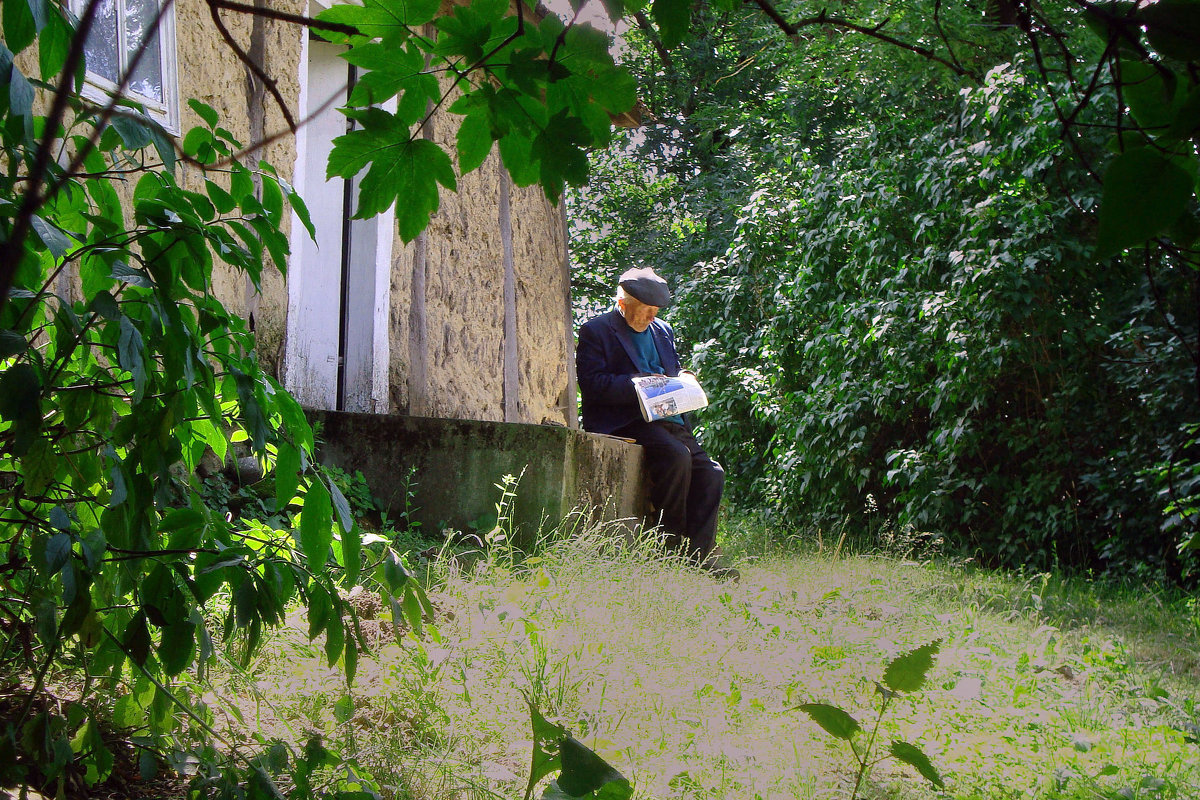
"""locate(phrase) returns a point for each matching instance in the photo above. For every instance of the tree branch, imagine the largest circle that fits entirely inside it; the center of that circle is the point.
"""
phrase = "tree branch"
(252, 65)
(792, 29)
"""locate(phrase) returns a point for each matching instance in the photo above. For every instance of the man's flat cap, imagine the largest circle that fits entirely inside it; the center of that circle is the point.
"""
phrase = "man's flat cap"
(644, 284)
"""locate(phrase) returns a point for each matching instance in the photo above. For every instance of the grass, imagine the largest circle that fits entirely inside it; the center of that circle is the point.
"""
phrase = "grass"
(1045, 687)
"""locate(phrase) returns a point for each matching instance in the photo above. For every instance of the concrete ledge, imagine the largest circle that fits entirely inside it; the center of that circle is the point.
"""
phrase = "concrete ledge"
(459, 462)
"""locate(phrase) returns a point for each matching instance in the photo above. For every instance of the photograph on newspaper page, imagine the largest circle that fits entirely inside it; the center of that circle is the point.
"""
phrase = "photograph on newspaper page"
(662, 397)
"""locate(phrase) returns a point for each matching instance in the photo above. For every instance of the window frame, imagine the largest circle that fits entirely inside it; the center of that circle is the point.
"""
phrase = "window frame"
(99, 89)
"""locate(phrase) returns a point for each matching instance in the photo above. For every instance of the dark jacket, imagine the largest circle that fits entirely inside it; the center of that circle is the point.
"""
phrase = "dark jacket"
(604, 363)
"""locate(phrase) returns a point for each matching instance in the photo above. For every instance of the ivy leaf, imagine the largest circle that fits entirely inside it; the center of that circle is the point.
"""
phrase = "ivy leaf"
(835, 721)
(906, 672)
(316, 526)
(1144, 193)
(913, 756)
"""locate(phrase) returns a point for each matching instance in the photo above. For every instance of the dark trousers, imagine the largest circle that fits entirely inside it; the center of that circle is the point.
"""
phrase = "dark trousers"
(685, 483)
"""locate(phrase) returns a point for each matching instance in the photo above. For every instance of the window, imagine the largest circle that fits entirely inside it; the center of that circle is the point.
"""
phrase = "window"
(118, 32)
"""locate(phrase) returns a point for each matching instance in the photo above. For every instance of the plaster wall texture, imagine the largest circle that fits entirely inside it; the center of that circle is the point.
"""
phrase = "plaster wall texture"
(210, 72)
(542, 285)
(464, 294)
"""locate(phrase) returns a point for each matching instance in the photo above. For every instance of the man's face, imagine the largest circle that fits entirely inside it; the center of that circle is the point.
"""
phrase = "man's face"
(638, 315)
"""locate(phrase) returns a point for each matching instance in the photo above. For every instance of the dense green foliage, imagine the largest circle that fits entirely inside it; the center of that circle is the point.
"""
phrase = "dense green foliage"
(903, 300)
(121, 587)
(125, 579)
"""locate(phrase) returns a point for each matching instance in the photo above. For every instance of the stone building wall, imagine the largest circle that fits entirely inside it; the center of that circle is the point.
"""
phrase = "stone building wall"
(477, 312)
(210, 72)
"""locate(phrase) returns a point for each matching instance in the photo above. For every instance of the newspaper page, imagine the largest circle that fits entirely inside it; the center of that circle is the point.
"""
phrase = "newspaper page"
(661, 396)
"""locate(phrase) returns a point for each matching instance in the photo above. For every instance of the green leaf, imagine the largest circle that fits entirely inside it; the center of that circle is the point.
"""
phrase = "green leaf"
(1151, 93)
(335, 635)
(316, 526)
(12, 344)
(403, 171)
(55, 240)
(474, 142)
(395, 574)
(53, 44)
(320, 610)
(906, 672)
(384, 19)
(352, 554)
(413, 610)
(205, 112)
(19, 27)
(129, 355)
(21, 394)
(1144, 193)
(58, 550)
(583, 771)
(912, 756)
(561, 155)
(198, 144)
(185, 526)
(20, 93)
(287, 475)
(546, 739)
(272, 200)
(136, 639)
(222, 200)
(350, 659)
(341, 505)
(835, 721)
(672, 17)
(177, 647)
(1173, 28)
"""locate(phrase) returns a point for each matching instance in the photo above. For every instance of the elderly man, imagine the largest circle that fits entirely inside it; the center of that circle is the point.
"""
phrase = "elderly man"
(685, 482)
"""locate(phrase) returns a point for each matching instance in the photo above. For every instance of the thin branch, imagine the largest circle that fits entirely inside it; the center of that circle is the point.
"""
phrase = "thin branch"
(251, 65)
(12, 249)
(283, 16)
(792, 29)
(664, 54)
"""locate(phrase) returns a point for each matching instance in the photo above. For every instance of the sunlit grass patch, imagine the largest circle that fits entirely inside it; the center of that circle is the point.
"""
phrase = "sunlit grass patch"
(1042, 687)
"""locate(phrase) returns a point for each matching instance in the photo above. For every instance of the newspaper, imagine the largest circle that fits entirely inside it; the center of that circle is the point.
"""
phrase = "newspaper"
(661, 396)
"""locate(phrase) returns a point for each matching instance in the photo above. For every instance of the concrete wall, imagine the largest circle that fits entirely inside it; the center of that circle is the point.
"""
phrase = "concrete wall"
(459, 462)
